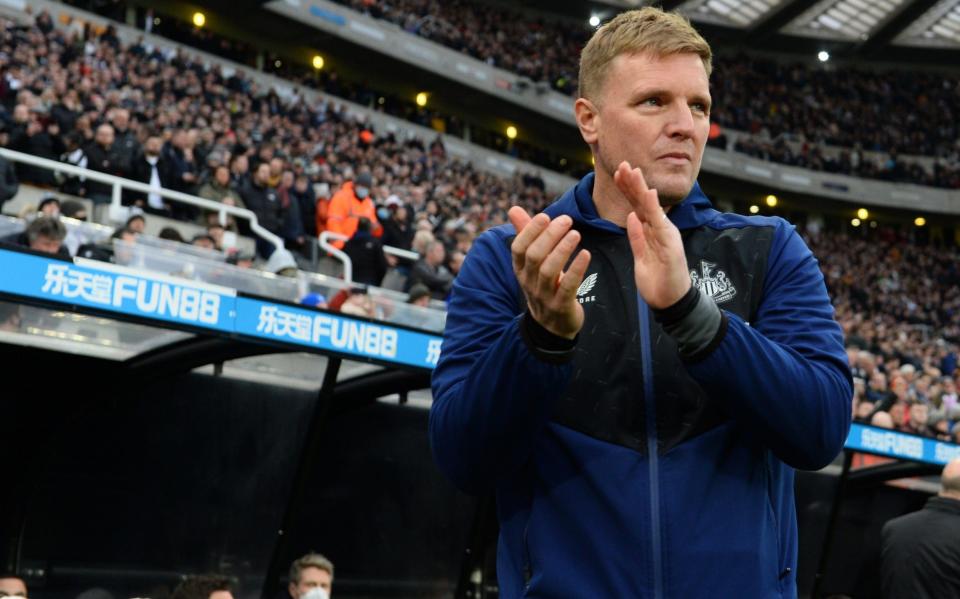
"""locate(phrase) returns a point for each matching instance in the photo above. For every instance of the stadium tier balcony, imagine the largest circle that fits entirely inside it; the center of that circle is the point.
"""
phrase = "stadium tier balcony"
(788, 113)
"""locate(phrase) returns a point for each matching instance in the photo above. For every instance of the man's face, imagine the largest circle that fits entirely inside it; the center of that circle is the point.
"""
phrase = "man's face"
(152, 146)
(311, 578)
(42, 243)
(919, 413)
(653, 112)
(121, 119)
(12, 587)
(222, 175)
(221, 595)
(105, 135)
(263, 174)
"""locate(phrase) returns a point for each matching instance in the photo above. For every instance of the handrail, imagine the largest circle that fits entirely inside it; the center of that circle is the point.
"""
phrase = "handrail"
(118, 183)
(324, 242)
(337, 252)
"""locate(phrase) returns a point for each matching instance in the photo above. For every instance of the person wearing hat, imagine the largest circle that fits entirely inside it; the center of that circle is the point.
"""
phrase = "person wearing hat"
(351, 203)
(397, 230)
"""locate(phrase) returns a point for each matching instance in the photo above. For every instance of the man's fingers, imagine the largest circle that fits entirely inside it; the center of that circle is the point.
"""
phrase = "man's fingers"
(531, 230)
(638, 241)
(518, 217)
(645, 201)
(570, 280)
(552, 266)
(538, 250)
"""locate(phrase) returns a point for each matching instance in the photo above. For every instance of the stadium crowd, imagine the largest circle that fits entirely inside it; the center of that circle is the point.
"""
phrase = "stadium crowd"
(163, 118)
(774, 103)
(899, 305)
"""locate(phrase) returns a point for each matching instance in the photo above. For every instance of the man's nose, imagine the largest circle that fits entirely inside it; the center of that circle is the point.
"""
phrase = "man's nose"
(680, 123)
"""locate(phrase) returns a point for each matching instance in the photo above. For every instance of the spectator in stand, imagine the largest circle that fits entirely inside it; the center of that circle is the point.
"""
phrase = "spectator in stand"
(73, 209)
(397, 230)
(125, 140)
(240, 171)
(171, 234)
(350, 204)
(322, 193)
(312, 571)
(12, 585)
(265, 203)
(152, 168)
(136, 223)
(918, 423)
(429, 270)
(102, 157)
(292, 230)
(30, 135)
(205, 241)
(366, 255)
(44, 234)
(49, 206)
(220, 188)
(302, 194)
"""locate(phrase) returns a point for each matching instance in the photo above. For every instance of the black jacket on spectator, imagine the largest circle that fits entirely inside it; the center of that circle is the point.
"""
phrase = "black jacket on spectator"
(921, 552)
(41, 144)
(127, 148)
(437, 278)
(366, 254)
(9, 185)
(292, 227)
(140, 170)
(265, 203)
(398, 235)
(307, 204)
(104, 160)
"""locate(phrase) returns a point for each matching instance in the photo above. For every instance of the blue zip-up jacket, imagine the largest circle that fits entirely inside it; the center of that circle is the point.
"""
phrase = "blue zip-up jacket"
(627, 471)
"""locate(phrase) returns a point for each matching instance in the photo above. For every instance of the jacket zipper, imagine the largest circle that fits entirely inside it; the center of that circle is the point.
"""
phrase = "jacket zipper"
(651, 422)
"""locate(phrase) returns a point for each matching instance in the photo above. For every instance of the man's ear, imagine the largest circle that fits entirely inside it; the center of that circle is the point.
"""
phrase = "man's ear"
(588, 119)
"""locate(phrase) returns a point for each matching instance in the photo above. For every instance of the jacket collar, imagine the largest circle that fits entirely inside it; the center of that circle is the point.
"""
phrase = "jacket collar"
(577, 202)
(944, 504)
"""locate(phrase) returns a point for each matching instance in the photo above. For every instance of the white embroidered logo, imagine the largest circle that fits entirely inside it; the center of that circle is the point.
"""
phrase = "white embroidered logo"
(585, 288)
(713, 282)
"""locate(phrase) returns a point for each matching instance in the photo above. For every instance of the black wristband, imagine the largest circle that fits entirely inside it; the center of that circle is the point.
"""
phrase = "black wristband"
(545, 345)
(680, 309)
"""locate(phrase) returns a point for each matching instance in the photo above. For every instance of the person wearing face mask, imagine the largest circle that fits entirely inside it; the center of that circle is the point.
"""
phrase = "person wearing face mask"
(351, 203)
(152, 168)
(311, 577)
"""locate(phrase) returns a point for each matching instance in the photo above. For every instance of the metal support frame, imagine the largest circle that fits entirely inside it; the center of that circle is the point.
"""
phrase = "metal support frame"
(305, 469)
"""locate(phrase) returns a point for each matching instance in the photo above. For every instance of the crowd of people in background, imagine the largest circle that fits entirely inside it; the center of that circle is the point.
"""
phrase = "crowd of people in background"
(169, 121)
(899, 305)
(895, 113)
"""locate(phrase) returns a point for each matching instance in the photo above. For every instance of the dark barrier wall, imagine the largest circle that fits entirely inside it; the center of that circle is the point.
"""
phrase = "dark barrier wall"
(126, 483)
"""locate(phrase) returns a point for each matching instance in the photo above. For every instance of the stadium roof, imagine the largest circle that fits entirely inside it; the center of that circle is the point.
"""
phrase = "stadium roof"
(915, 23)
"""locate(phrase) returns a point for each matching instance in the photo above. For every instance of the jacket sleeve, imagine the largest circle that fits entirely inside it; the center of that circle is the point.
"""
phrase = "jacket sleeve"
(785, 376)
(491, 395)
(336, 216)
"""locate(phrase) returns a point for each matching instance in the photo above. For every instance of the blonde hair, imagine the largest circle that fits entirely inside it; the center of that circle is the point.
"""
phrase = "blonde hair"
(310, 560)
(647, 29)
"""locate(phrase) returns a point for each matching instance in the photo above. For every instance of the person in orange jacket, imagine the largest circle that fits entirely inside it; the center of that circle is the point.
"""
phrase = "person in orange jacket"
(351, 203)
